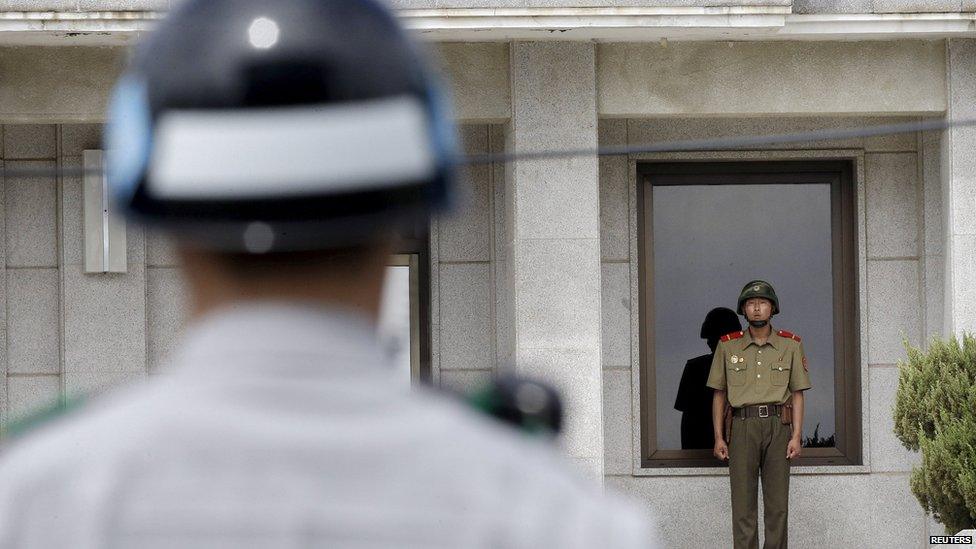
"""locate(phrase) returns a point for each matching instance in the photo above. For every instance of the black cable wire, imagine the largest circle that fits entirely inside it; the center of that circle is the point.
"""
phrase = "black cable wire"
(719, 143)
(726, 143)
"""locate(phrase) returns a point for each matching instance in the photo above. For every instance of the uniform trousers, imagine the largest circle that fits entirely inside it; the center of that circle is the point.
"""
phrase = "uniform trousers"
(757, 448)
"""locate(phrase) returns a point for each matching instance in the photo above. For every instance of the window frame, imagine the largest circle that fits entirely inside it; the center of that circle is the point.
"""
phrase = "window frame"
(840, 175)
(412, 248)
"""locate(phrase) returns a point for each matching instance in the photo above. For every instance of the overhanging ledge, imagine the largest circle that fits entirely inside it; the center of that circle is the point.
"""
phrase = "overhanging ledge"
(746, 23)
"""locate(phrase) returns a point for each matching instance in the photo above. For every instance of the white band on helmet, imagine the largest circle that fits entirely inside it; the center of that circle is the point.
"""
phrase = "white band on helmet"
(291, 151)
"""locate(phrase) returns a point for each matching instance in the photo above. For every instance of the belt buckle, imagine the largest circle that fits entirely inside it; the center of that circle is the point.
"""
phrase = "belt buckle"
(763, 410)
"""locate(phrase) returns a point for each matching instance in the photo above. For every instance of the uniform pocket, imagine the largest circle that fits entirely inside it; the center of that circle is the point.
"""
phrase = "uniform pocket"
(780, 373)
(737, 375)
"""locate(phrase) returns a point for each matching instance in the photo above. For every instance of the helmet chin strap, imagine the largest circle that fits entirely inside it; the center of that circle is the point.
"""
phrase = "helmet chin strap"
(758, 323)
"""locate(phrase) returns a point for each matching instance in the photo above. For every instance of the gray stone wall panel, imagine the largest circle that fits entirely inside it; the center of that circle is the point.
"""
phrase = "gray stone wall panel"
(770, 78)
(76, 138)
(28, 393)
(892, 198)
(38, 5)
(555, 99)
(502, 275)
(159, 250)
(478, 77)
(99, 381)
(614, 205)
(854, 511)
(650, 131)
(894, 311)
(934, 224)
(558, 305)
(463, 234)
(832, 6)
(916, 6)
(3, 295)
(553, 205)
(33, 321)
(689, 512)
(72, 208)
(104, 321)
(963, 197)
(825, 510)
(882, 6)
(135, 244)
(963, 292)
(887, 452)
(465, 381)
(572, 373)
(617, 427)
(466, 322)
(934, 282)
(934, 220)
(30, 209)
(57, 84)
(959, 186)
(615, 310)
(167, 311)
(29, 142)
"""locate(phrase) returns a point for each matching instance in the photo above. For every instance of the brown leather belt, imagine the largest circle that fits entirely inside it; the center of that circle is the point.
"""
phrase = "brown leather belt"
(757, 410)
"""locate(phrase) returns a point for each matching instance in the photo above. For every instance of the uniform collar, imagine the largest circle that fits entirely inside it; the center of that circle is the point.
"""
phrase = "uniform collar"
(772, 340)
(281, 338)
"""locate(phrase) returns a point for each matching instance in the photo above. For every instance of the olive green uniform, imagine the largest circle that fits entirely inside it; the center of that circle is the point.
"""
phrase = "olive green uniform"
(753, 374)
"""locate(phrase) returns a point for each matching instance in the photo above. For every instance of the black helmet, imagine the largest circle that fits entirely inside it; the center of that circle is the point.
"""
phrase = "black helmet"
(758, 288)
(257, 126)
(718, 322)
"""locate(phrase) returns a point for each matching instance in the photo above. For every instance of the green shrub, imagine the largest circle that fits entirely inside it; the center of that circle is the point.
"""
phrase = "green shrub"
(935, 412)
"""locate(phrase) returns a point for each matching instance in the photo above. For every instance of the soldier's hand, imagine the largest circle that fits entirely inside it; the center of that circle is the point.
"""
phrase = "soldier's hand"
(793, 448)
(721, 450)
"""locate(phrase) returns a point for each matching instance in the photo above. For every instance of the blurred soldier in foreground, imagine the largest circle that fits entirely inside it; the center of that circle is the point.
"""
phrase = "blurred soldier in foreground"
(281, 144)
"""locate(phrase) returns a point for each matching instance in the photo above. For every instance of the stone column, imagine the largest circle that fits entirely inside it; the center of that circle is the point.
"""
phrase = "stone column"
(548, 273)
(959, 189)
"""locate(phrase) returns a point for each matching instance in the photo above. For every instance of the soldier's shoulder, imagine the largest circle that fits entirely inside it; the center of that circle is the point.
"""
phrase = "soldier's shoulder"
(35, 446)
(731, 336)
(788, 335)
(62, 435)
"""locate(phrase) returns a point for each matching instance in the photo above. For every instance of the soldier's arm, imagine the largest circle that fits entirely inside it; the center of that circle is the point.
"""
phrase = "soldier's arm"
(798, 415)
(718, 413)
(716, 380)
(799, 382)
(799, 374)
(716, 374)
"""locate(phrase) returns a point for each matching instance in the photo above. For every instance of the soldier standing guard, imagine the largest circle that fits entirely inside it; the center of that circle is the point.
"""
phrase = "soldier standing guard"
(761, 374)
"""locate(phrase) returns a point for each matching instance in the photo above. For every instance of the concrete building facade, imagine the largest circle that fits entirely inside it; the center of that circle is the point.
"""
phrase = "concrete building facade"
(541, 268)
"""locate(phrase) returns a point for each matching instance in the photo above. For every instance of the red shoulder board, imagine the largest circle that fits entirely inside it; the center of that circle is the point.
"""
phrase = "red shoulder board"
(789, 335)
(733, 335)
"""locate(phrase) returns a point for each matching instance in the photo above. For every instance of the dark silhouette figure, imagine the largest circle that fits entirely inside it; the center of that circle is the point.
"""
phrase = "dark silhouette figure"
(694, 399)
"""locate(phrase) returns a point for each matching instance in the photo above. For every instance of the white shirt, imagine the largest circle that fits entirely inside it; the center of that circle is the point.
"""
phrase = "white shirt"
(282, 426)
